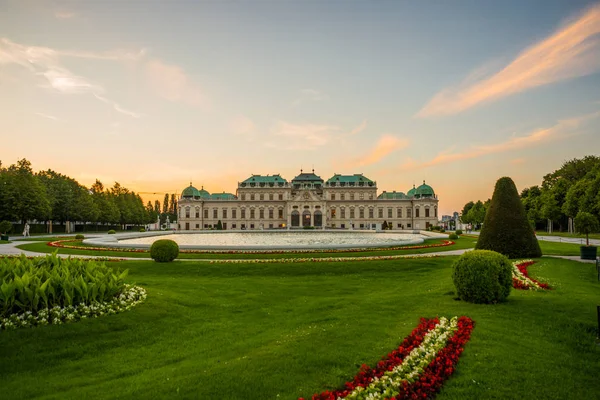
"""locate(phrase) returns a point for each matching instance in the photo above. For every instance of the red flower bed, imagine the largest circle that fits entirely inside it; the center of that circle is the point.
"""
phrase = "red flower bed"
(433, 375)
(517, 284)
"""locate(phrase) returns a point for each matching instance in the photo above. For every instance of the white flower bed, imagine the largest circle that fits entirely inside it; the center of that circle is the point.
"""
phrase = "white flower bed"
(131, 296)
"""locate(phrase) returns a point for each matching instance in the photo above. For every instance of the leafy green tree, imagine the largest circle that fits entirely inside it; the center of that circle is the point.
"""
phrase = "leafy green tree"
(165, 209)
(156, 207)
(586, 223)
(476, 214)
(465, 213)
(506, 229)
(24, 197)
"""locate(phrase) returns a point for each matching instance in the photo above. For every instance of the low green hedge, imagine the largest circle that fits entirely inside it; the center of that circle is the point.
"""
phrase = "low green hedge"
(29, 285)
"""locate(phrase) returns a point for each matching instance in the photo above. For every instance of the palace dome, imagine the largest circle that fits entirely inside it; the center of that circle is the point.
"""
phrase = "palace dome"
(424, 191)
(411, 192)
(190, 192)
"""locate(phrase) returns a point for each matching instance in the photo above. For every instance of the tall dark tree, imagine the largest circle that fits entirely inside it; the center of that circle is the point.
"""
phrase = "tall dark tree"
(157, 207)
(165, 206)
(506, 229)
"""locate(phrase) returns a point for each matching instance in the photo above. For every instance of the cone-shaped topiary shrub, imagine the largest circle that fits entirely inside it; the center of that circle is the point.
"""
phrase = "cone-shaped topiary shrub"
(506, 228)
(164, 250)
(482, 276)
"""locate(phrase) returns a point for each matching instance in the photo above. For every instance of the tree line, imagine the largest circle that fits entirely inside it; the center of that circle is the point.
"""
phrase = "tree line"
(572, 188)
(51, 196)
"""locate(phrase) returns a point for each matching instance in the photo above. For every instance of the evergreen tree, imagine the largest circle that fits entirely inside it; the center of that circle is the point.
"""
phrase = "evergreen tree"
(506, 229)
(157, 207)
(165, 208)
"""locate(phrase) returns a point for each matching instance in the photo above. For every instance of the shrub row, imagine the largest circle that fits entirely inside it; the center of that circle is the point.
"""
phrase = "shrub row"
(46, 282)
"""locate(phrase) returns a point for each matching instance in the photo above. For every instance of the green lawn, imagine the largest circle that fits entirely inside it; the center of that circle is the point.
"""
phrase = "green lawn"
(569, 235)
(462, 243)
(279, 331)
(4, 241)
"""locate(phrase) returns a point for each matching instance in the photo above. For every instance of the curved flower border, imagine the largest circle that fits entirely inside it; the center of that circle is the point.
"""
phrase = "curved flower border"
(61, 244)
(521, 278)
(416, 369)
(318, 259)
(130, 297)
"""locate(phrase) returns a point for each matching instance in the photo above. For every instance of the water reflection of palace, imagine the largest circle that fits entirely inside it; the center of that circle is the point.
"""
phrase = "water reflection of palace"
(343, 201)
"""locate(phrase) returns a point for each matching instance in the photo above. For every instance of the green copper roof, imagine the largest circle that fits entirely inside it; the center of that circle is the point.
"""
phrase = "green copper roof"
(307, 177)
(411, 192)
(264, 180)
(425, 191)
(191, 192)
(350, 179)
(222, 196)
(392, 196)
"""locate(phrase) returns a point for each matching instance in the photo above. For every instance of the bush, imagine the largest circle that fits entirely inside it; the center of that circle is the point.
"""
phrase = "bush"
(453, 236)
(142, 229)
(46, 282)
(442, 230)
(79, 236)
(164, 250)
(482, 276)
(112, 232)
(5, 227)
(459, 232)
(506, 228)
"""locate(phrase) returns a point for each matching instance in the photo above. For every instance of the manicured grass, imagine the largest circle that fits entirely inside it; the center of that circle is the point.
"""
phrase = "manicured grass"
(569, 235)
(462, 243)
(560, 249)
(4, 241)
(268, 331)
(41, 239)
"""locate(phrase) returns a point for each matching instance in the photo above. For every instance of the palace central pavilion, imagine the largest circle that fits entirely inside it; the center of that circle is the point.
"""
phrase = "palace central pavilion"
(342, 202)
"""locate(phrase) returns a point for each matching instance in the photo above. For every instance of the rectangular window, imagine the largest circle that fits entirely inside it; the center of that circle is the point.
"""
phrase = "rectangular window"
(390, 213)
(261, 213)
(399, 213)
(333, 213)
(351, 212)
(280, 213)
(370, 196)
(205, 226)
(187, 212)
(233, 226)
(270, 213)
(262, 196)
(351, 196)
(370, 213)
(332, 196)
(251, 226)
(380, 212)
(197, 213)
(224, 213)
(252, 213)
(234, 213)
(342, 213)
(270, 196)
(343, 196)
(399, 225)
(426, 212)
(409, 213)
(270, 226)
(243, 196)
(416, 213)
(215, 213)
(361, 196)
(408, 225)
(197, 226)
(243, 213)
(252, 196)
(206, 214)
(361, 213)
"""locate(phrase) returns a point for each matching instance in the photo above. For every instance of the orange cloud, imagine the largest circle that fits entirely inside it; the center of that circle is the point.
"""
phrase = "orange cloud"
(571, 51)
(172, 83)
(386, 145)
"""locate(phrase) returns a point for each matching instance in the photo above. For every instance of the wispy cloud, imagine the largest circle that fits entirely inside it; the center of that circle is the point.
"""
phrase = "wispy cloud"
(52, 117)
(172, 83)
(561, 130)
(359, 128)
(303, 136)
(45, 62)
(571, 51)
(243, 126)
(308, 95)
(64, 14)
(386, 145)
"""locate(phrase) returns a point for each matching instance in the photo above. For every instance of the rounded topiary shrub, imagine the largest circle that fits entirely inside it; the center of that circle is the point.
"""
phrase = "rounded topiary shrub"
(482, 276)
(453, 236)
(79, 236)
(459, 232)
(142, 229)
(164, 250)
(112, 232)
(506, 228)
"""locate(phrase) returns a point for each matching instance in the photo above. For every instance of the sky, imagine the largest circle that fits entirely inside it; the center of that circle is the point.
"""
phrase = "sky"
(157, 94)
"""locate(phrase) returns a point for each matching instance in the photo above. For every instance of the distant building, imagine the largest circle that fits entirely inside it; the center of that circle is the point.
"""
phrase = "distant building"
(343, 202)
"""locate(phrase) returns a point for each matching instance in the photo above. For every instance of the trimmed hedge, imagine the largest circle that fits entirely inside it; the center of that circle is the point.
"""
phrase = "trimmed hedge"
(79, 237)
(459, 232)
(453, 236)
(111, 232)
(164, 250)
(482, 276)
(506, 228)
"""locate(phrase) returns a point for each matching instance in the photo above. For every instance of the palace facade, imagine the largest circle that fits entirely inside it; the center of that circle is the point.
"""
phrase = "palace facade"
(341, 202)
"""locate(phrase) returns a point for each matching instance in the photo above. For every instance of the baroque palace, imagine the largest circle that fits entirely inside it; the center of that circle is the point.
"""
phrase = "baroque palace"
(341, 202)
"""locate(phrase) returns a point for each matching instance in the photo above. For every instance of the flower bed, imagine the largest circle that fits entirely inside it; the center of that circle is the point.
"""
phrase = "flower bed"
(63, 244)
(130, 297)
(316, 259)
(416, 369)
(521, 278)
